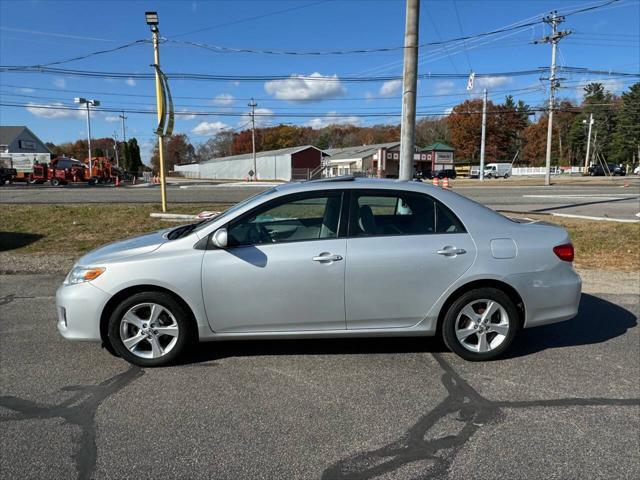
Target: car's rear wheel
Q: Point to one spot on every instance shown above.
(481, 324)
(150, 329)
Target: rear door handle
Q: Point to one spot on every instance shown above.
(327, 257)
(450, 251)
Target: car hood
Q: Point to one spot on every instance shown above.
(129, 247)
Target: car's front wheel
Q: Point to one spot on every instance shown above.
(481, 324)
(150, 329)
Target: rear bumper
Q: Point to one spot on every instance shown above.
(79, 308)
(549, 296)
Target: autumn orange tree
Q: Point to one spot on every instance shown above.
(465, 128)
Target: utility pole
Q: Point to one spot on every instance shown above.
(554, 20)
(484, 134)
(115, 147)
(253, 106)
(586, 157)
(124, 132)
(152, 21)
(409, 87)
(89, 139)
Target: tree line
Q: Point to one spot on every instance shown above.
(514, 131)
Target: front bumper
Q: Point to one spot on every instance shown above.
(79, 308)
(549, 296)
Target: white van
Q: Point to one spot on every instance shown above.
(495, 170)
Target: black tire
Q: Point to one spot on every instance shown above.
(506, 175)
(451, 317)
(55, 182)
(186, 329)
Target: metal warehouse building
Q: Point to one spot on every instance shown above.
(295, 163)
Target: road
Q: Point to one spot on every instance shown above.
(565, 404)
(606, 201)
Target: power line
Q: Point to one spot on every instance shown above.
(247, 19)
(576, 109)
(466, 53)
(93, 54)
(530, 89)
(589, 9)
(263, 78)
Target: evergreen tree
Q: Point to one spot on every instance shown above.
(124, 156)
(625, 145)
(134, 159)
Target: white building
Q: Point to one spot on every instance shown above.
(287, 164)
(20, 148)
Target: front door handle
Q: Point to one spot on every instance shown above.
(327, 257)
(451, 251)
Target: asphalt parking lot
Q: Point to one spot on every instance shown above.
(565, 404)
(617, 198)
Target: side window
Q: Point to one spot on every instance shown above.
(447, 221)
(63, 164)
(393, 213)
(295, 218)
(399, 213)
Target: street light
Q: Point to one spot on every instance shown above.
(152, 21)
(88, 103)
(151, 17)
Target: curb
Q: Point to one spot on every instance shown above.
(173, 216)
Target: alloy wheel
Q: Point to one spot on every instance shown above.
(482, 325)
(149, 330)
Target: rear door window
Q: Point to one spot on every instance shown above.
(392, 213)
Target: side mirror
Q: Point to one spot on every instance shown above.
(219, 238)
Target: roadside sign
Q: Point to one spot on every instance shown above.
(472, 77)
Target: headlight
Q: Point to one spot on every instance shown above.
(82, 274)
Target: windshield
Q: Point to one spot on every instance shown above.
(233, 209)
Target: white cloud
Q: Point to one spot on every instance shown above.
(301, 88)
(491, 82)
(224, 99)
(262, 117)
(194, 7)
(445, 87)
(332, 118)
(130, 81)
(185, 116)
(50, 111)
(391, 88)
(111, 118)
(60, 82)
(209, 128)
(27, 90)
(447, 111)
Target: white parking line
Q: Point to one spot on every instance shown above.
(599, 196)
(600, 219)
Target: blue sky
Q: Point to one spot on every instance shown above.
(37, 32)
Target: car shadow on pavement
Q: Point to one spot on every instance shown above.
(210, 351)
(597, 321)
(14, 240)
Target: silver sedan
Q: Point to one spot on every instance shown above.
(330, 258)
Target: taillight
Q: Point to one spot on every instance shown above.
(564, 252)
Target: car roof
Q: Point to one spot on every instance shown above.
(350, 182)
